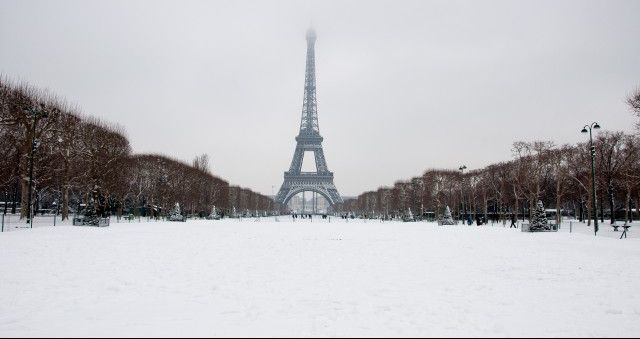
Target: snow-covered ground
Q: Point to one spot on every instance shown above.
(267, 278)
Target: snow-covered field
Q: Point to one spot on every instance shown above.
(267, 278)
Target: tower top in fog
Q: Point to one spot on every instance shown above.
(311, 35)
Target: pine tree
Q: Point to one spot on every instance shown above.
(539, 220)
(175, 214)
(214, 214)
(447, 219)
(409, 216)
(91, 214)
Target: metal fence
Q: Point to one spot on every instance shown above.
(12, 222)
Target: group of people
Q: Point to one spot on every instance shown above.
(302, 216)
(305, 216)
(481, 220)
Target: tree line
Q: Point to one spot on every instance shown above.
(77, 158)
(558, 175)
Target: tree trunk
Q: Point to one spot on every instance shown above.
(36, 205)
(24, 199)
(610, 197)
(515, 198)
(65, 202)
(533, 200)
(601, 208)
(23, 170)
(581, 211)
(590, 213)
(486, 208)
(65, 188)
(558, 202)
(14, 205)
(612, 209)
(627, 214)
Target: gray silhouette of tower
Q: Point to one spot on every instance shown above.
(309, 140)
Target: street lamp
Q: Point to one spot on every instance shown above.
(36, 113)
(589, 129)
(464, 209)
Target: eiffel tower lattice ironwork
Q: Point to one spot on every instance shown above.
(309, 140)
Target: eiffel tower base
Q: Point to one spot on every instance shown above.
(321, 184)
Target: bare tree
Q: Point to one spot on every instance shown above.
(633, 100)
(201, 163)
(558, 161)
(613, 158)
(629, 173)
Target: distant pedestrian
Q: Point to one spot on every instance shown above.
(514, 221)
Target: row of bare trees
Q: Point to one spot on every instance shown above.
(77, 158)
(156, 183)
(64, 155)
(244, 202)
(560, 176)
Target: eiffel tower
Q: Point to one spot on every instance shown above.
(309, 140)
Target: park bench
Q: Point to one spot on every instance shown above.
(616, 226)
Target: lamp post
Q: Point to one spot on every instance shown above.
(55, 214)
(589, 129)
(464, 209)
(35, 114)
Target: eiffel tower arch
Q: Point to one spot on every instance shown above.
(309, 140)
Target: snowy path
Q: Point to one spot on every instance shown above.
(230, 278)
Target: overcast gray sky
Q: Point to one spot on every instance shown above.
(402, 85)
